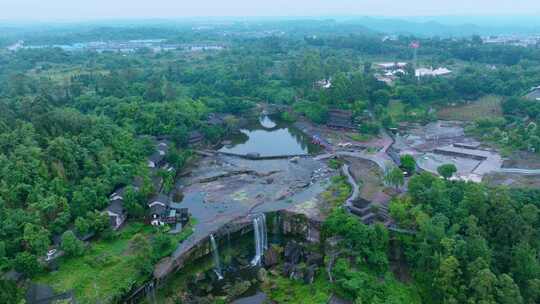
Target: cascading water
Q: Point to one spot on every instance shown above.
(215, 252)
(260, 237)
(150, 291)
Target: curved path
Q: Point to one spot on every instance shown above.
(355, 189)
(381, 157)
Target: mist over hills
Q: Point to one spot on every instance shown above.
(442, 26)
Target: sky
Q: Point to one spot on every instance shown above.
(47, 10)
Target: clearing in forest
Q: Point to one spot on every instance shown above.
(488, 106)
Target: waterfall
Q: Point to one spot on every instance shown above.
(260, 237)
(150, 292)
(215, 252)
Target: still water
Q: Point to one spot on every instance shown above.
(270, 137)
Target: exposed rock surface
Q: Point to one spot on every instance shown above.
(271, 257)
(294, 252)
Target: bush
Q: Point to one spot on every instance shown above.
(371, 128)
(27, 264)
(408, 163)
(288, 117)
(314, 111)
(82, 226)
(447, 170)
(71, 245)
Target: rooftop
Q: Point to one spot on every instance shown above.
(534, 94)
(340, 119)
(421, 72)
(116, 206)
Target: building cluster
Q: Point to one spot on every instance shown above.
(130, 46)
(388, 72)
(162, 211)
(515, 40)
(324, 84)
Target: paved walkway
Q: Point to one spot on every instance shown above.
(520, 171)
(355, 189)
(381, 157)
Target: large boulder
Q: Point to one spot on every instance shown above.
(237, 289)
(287, 269)
(262, 275)
(309, 274)
(331, 245)
(293, 272)
(314, 258)
(294, 252)
(271, 257)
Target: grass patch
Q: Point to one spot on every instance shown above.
(487, 106)
(400, 112)
(284, 290)
(109, 268)
(338, 192)
(396, 109)
(361, 137)
(104, 273)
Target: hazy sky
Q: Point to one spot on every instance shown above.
(91, 9)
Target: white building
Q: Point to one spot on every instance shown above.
(422, 72)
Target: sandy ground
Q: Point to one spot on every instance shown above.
(512, 180)
(523, 160)
(369, 175)
(431, 136)
(421, 142)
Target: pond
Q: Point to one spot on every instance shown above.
(270, 136)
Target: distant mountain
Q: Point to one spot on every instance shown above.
(448, 26)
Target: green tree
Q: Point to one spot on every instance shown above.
(447, 170)
(36, 238)
(82, 226)
(71, 245)
(508, 291)
(447, 280)
(143, 252)
(27, 263)
(11, 293)
(132, 202)
(381, 97)
(408, 163)
(395, 177)
(483, 286)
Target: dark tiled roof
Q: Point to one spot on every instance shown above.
(118, 191)
(340, 119)
(195, 137)
(162, 198)
(156, 157)
(216, 119)
(116, 206)
(162, 148)
(39, 293)
(158, 209)
(534, 95)
(12, 275)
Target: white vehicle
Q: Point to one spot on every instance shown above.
(345, 145)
